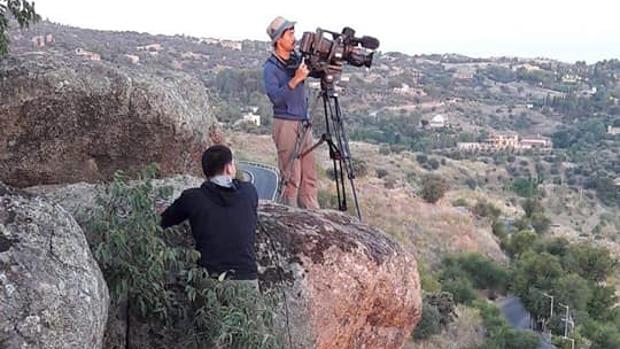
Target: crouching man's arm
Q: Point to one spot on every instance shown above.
(175, 213)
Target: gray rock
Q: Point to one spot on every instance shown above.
(52, 293)
(64, 120)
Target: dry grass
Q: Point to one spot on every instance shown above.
(430, 231)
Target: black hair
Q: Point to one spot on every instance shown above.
(215, 158)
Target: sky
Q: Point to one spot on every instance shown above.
(565, 30)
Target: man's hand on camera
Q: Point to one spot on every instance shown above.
(300, 75)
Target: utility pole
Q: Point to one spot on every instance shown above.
(550, 314)
(567, 320)
(551, 310)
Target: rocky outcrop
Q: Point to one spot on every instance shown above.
(64, 120)
(347, 285)
(52, 293)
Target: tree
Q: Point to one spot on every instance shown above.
(535, 270)
(521, 242)
(602, 302)
(433, 188)
(575, 291)
(590, 262)
(24, 13)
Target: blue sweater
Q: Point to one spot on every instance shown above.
(290, 104)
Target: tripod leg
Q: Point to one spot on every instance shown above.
(343, 146)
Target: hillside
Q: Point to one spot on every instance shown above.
(461, 120)
(390, 105)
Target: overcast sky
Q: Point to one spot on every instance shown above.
(566, 30)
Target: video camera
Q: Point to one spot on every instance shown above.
(325, 57)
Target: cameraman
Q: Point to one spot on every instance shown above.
(286, 90)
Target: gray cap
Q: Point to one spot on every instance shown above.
(277, 27)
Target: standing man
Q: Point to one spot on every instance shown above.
(286, 90)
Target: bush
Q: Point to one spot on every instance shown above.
(499, 230)
(433, 164)
(590, 262)
(508, 338)
(525, 187)
(498, 332)
(430, 323)
(531, 207)
(460, 202)
(462, 290)
(421, 158)
(471, 183)
(486, 209)
(444, 302)
(603, 335)
(540, 223)
(381, 172)
(521, 242)
(384, 150)
(438, 310)
(482, 272)
(359, 167)
(155, 274)
(433, 188)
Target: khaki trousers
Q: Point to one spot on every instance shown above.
(302, 178)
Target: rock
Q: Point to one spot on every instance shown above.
(347, 285)
(64, 120)
(52, 293)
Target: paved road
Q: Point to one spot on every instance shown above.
(514, 311)
(264, 178)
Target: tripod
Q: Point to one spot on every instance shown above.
(336, 138)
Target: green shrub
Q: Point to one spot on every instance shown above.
(438, 310)
(486, 209)
(154, 271)
(429, 324)
(433, 188)
(482, 272)
(381, 172)
(462, 290)
(460, 202)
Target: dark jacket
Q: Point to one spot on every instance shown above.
(290, 104)
(223, 222)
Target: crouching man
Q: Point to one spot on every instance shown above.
(222, 213)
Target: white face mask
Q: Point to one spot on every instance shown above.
(225, 181)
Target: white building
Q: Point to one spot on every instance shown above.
(613, 130)
(469, 146)
(529, 143)
(252, 118)
(438, 121)
(133, 59)
(87, 54)
(151, 47)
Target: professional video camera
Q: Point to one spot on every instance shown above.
(325, 57)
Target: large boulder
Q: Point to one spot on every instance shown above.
(347, 285)
(52, 293)
(64, 120)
